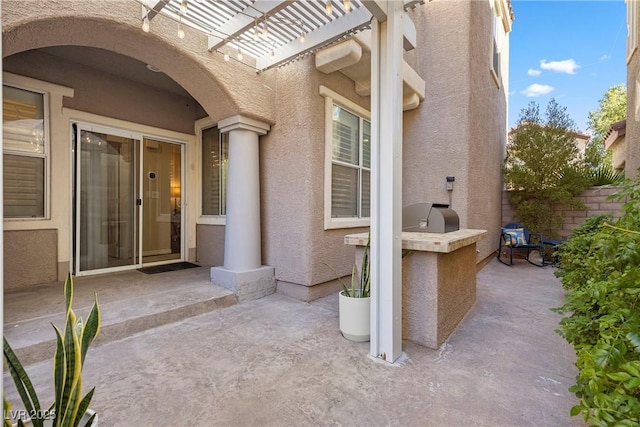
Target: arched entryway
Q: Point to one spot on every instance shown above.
(111, 41)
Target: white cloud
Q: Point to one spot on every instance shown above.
(568, 66)
(536, 90)
(605, 57)
(533, 72)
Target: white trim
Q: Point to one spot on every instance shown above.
(211, 220)
(27, 82)
(632, 28)
(126, 126)
(333, 98)
(346, 103)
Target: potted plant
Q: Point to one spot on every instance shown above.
(354, 302)
(70, 408)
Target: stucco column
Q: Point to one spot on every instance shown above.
(243, 271)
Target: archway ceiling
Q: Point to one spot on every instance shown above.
(236, 23)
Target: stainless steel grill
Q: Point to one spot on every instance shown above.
(429, 218)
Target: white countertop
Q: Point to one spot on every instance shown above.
(427, 242)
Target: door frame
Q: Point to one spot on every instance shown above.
(138, 135)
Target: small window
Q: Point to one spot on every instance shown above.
(25, 151)
(215, 156)
(495, 46)
(351, 167)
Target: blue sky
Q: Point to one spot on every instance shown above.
(572, 51)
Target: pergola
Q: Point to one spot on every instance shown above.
(276, 32)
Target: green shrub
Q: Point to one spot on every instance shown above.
(600, 268)
(577, 249)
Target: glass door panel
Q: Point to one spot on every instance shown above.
(161, 204)
(106, 198)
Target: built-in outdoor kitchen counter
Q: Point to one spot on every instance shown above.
(438, 281)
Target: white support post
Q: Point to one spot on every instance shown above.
(386, 178)
(242, 271)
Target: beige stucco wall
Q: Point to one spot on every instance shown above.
(619, 153)
(292, 180)
(210, 244)
(30, 257)
(633, 103)
(460, 128)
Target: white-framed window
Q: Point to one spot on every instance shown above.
(495, 44)
(632, 28)
(347, 162)
(215, 157)
(25, 152)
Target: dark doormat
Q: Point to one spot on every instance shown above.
(167, 267)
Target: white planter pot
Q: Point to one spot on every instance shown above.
(355, 320)
(83, 420)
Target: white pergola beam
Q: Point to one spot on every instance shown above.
(153, 8)
(378, 9)
(409, 33)
(315, 39)
(242, 22)
(386, 184)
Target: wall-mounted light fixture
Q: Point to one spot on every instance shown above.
(450, 181)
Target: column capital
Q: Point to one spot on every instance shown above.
(243, 123)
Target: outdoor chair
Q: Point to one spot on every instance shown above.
(516, 236)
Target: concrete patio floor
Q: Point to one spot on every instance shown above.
(281, 362)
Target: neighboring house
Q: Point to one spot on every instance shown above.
(616, 142)
(633, 90)
(581, 141)
(118, 143)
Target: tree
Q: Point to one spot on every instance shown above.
(543, 169)
(612, 108)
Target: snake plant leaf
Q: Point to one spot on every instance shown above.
(90, 329)
(72, 363)
(365, 282)
(23, 383)
(84, 405)
(71, 415)
(59, 373)
(7, 407)
(68, 291)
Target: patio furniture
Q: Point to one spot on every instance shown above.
(516, 236)
(556, 251)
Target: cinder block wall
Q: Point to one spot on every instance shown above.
(594, 198)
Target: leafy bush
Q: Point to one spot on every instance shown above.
(600, 268)
(577, 249)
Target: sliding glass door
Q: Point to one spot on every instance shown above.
(106, 208)
(127, 200)
(161, 230)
